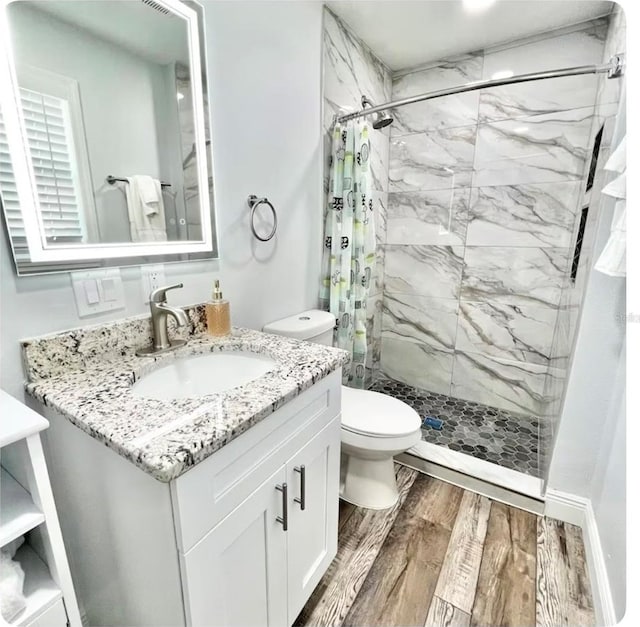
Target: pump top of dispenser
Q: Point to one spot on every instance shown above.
(217, 292)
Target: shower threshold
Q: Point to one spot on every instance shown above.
(485, 442)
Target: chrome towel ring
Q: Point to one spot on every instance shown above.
(254, 202)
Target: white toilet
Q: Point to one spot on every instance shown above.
(375, 427)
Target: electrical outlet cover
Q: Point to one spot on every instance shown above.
(152, 278)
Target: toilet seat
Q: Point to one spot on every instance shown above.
(377, 415)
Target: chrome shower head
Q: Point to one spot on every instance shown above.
(381, 119)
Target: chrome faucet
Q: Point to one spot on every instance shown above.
(159, 312)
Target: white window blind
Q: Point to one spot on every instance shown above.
(50, 140)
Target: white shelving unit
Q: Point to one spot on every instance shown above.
(48, 588)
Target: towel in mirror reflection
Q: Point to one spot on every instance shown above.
(146, 209)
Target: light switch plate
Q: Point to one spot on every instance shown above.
(152, 278)
(92, 296)
(97, 291)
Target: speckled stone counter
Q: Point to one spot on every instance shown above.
(87, 375)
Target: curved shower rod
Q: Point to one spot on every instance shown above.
(614, 69)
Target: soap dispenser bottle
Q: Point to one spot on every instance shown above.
(218, 316)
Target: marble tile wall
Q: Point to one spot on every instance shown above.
(485, 191)
(350, 71)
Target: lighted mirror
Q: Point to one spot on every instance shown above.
(104, 141)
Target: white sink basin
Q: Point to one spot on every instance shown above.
(203, 374)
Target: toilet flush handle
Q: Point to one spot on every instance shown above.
(303, 491)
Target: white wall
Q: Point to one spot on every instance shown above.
(608, 493)
(265, 73)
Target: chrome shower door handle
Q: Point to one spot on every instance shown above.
(303, 489)
(284, 519)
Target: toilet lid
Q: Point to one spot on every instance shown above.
(378, 415)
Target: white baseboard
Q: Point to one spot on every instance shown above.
(577, 510)
(602, 598)
(566, 507)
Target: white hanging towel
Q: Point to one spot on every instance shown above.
(146, 209)
(613, 259)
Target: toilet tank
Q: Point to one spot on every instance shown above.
(313, 325)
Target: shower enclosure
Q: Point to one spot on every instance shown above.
(484, 183)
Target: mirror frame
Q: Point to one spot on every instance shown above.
(24, 173)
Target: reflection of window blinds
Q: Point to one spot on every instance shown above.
(51, 146)
(49, 137)
(8, 187)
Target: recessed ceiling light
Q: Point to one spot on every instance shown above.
(180, 96)
(477, 5)
(502, 74)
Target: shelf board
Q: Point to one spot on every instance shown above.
(18, 513)
(18, 420)
(40, 591)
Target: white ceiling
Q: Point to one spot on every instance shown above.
(133, 25)
(408, 33)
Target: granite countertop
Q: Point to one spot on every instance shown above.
(87, 375)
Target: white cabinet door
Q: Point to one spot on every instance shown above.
(313, 532)
(237, 574)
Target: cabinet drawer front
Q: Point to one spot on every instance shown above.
(206, 494)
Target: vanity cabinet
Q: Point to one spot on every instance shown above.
(210, 547)
(260, 564)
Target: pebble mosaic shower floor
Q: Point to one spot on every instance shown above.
(494, 435)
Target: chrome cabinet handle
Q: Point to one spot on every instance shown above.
(284, 519)
(303, 491)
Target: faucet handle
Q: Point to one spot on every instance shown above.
(159, 295)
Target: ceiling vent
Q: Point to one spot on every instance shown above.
(156, 7)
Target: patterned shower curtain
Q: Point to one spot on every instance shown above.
(349, 244)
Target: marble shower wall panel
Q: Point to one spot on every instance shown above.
(484, 200)
(417, 364)
(380, 205)
(420, 319)
(528, 276)
(539, 215)
(439, 159)
(447, 112)
(537, 149)
(521, 333)
(350, 71)
(581, 47)
(428, 217)
(512, 385)
(424, 270)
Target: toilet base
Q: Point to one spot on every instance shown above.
(369, 483)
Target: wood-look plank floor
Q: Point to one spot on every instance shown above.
(447, 556)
